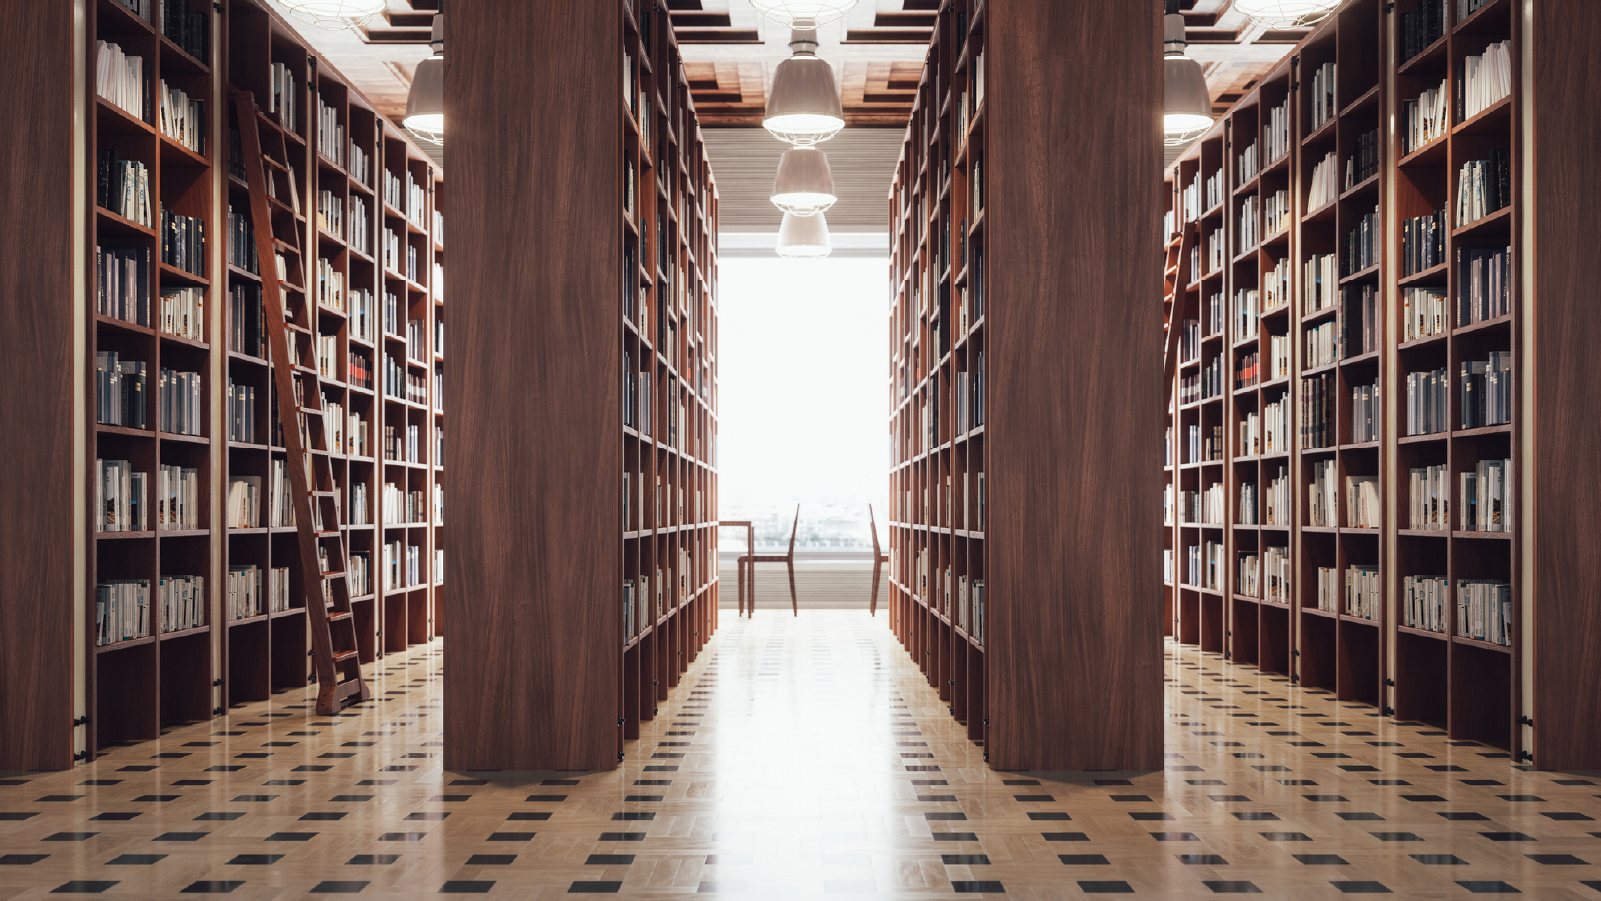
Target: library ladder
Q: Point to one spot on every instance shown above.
(1177, 251)
(323, 566)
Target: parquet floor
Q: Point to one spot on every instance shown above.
(804, 757)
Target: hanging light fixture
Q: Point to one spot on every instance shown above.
(334, 14)
(804, 237)
(1186, 102)
(1287, 13)
(425, 104)
(804, 185)
(804, 107)
(803, 13)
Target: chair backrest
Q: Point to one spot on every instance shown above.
(794, 528)
(873, 524)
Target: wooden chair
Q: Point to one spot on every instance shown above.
(750, 549)
(787, 559)
(879, 559)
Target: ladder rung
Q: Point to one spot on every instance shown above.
(341, 657)
(322, 494)
(338, 617)
(317, 410)
(335, 574)
(327, 533)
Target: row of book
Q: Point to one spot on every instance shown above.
(1428, 403)
(1364, 509)
(1359, 320)
(1248, 370)
(1215, 188)
(282, 99)
(1252, 440)
(1486, 387)
(1484, 286)
(331, 141)
(1323, 98)
(1320, 284)
(122, 610)
(1277, 498)
(330, 284)
(1484, 607)
(1324, 184)
(1205, 565)
(183, 242)
(243, 507)
(182, 118)
(402, 506)
(1486, 496)
(178, 396)
(1322, 508)
(359, 567)
(1428, 497)
(402, 447)
(123, 281)
(1423, 313)
(1483, 187)
(1486, 79)
(1245, 504)
(187, 27)
(183, 313)
(119, 497)
(1247, 319)
(331, 213)
(1362, 591)
(1248, 163)
(1425, 119)
(1322, 346)
(1421, 27)
(402, 565)
(120, 391)
(358, 371)
(1266, 577)
(1362, 244)
(181, 601)
(251, 593)
(242, 243)
(1366, 413)
(179, 498)
(121, 79)
(1422, 242)
(1363, 163)
(1318, 411)
(123, 187)
(1423, 602)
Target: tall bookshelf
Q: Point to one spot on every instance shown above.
(587, 499)
(1001, 587)
(1448, 670)
(325, 148)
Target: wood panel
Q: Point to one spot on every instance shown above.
(1565, 320)
(1075, 419)
(36, 409)
(534, 449)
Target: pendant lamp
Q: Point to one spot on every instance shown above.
(803, 13)
(804, 237)
(334, 14)
(425, 104)
(804, 106)
(804, 185)
(1187, 102)
(1287, 13)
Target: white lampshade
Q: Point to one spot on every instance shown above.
(804, 237)
(804, 106)
(803, 13)
(1186, 100)
(334, 14)
(425, 103)
(1287, 13)
(804, 185)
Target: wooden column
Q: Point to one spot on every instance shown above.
(1559, 354)
(1075, 385)
(532, 90)
(38, 579)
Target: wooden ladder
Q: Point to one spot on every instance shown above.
(1177, 252)
(300, 410)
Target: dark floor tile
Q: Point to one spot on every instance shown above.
(1048, 815)
(1564, 815)
(1325, 797)
(622, 836)
(1440, 860)
(1232, 887)
(255, 860)
(22, 860)
(180, 836)
(1065, 836)
(1130, 798)
(120, 816)
(1322, 860)
(1249, 815)
(1361, 887)
(944, 816)
(74, 837)
(1556, 860)
(402, 836)
(979, 887)
(135, 860)
(1286, 836)
(954, 837)
(338, 887)
(466, 887)
(1175, 836)
(1080, 860)
(1462, 815)
(607, 888)
(1150, 815)
(609, 860)
(1489, 887)
(368, 860)
(82, 887)
(491, 860)
(1396, 836)
(1423, 798)
(530, 815)
(427, 815)
(323, 815)
(1508, 837)
(511, 836)
(212, 887)
(1106, 887)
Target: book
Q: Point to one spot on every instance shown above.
(120, 497)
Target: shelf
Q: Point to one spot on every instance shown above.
(1485, 645)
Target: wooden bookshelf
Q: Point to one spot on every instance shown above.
(991, 481)
(1476, 689)
(598, 472)
(191, 669)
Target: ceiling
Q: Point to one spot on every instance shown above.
(730, 52)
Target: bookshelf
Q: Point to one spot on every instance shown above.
(589, 496)
(161, 280)
(1001, 585)
(1408, 256)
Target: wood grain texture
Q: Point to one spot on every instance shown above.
(1075, 381)
(531, 90)
(1565, 316)
(37, 582)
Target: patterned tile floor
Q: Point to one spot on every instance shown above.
(805, 757)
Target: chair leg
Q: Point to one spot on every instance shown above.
(741, 567)
(872, 608)
(793, 603)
